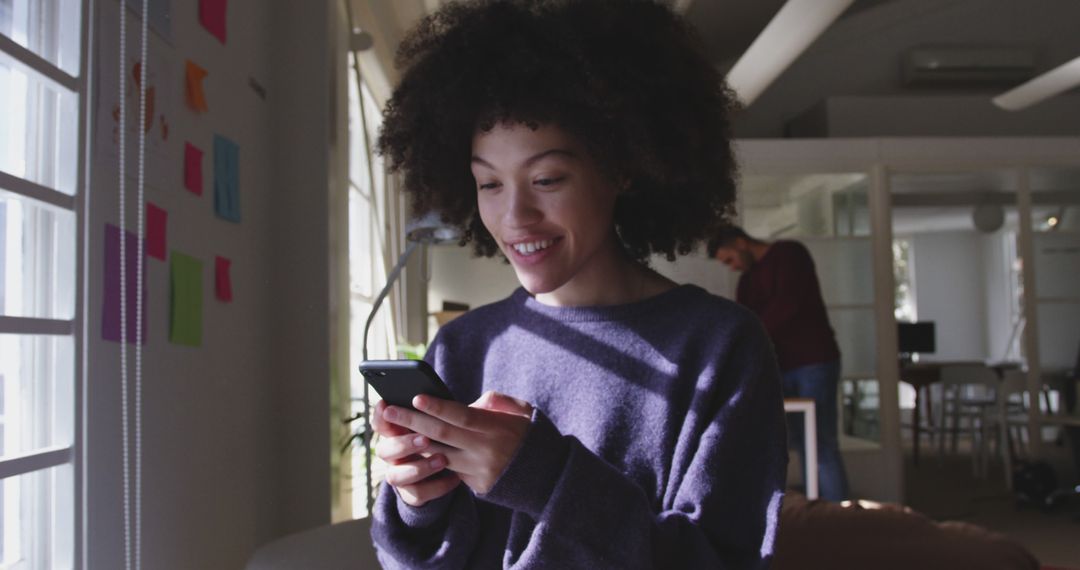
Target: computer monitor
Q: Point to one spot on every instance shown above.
(916, 337)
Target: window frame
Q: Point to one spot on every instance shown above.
(39, 460)
(381, 225)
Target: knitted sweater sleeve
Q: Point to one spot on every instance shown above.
(440, 534)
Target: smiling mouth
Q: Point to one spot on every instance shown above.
(532, 247)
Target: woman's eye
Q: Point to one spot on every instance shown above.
(488, 186)
(547, 181)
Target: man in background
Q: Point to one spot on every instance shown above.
(779, 284)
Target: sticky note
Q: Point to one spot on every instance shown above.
(212, 17)
(185, 300)
(196, 98)
(226, 179)
(193, 169)
(222, 281)
(156, 221)
(110, 313)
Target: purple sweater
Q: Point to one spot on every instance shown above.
(657, 440)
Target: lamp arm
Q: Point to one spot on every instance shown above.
(390, 280)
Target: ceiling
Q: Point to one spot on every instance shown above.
(881, 29)
(728, 27)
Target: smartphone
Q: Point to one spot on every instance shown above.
(399, 381)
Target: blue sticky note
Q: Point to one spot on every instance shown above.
(226, 179)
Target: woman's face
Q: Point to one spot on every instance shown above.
(547, 205)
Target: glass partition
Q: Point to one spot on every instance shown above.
(829, 214)
(1055, 211)
(957, 270)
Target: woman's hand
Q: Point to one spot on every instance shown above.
(415, 471)
(478, 441)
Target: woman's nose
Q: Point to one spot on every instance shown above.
(521, 208)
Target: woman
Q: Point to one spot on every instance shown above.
(618, 420)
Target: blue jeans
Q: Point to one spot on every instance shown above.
(818, 382)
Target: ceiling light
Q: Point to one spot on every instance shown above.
(1045, 86)
(1052, 221)
(784, 39)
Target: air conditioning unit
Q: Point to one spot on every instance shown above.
(961, 65)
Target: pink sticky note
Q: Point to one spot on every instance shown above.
(156, 220)
(212, 17)
(222, 281)
(193, 169)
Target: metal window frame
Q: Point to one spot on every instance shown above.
(35, 191)
(35, 461)
(32, 326)
(40, 65)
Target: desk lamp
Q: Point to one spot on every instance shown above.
(429, 229)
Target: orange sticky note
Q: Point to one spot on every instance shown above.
(193, 169)
(196, 98)
(156, 220)
(222, 281)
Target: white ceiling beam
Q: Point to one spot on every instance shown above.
(784, 39)
(1053, 82)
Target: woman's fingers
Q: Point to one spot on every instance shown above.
(496, 402)
(424, 424)
(449, 411)
(429, 489)
(395, 448)
(476, 442)
(413, 472)
(383, 427)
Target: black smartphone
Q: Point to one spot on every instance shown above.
(399, 381)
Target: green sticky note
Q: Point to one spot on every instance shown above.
(185, 298)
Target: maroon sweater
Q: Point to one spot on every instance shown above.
(782, 288)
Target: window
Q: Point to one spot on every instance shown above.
(370, 251)
(904, 295)
(41, 160)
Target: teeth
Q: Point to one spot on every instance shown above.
(532, 247)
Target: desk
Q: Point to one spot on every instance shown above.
(805, 406)
(921, 375)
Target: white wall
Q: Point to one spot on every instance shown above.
(299, 310)
(962, 284)
(235, 441)
(950, 291)
(457, 276)
(928, 114)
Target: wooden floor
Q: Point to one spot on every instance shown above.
(945, 489)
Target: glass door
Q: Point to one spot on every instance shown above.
(829, 214)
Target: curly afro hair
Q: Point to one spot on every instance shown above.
(628, 78)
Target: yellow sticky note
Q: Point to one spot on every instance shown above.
(196, 98)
